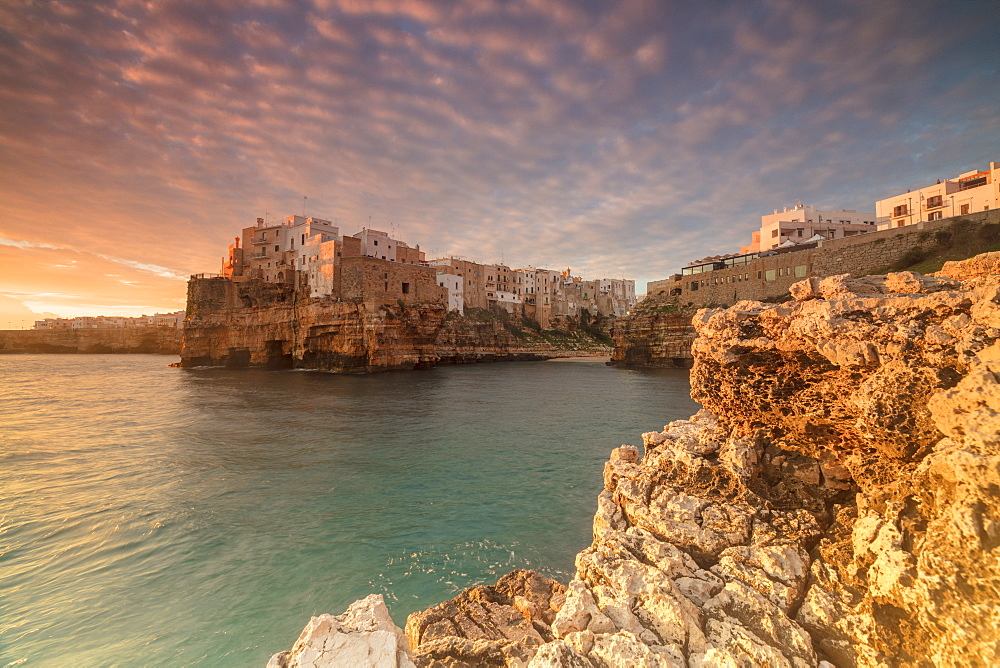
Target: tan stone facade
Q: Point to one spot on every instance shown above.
(971, 192)
(310, 254)
(377, 282)
(768, 277)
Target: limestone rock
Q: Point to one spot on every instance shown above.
(656, 333)
(980, 266)
(364, 636)
(484, 625)
(837, 502)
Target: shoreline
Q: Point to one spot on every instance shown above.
(777, 524)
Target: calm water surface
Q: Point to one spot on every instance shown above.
(156, 516)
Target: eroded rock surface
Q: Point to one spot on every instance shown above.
(655, 333)
(836, 502)
(496, 625)
(361, 637)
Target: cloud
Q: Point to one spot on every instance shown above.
(162, 272)
(625, 137)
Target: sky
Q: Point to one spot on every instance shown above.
(619, 138)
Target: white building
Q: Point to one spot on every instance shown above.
(803, 222)
(967, 193)
(455, 285)
(619, 292)
(377, 244)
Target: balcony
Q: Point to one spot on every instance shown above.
(972, 183)
(934, 203)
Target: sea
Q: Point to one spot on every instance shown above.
(156, 516)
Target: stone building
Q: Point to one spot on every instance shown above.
(473, 279)
(802, 223)
(450, 280)
(768, 276)
(970, 192)
(380, 282)
(274, 253)
(311, 254)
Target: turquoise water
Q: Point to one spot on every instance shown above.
(157, 516)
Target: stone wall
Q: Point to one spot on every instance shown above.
(768, 278)
(378, 282)
(156, 340)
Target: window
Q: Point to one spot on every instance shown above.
(774, 233)
(965, 209)
(900, 210)
(934, 215)
(934, 202)
(376, 242)
(275, 248)
(798, 231)
(769, 275)
(800, 271)
(406, 288)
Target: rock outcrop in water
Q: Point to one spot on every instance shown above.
(836, 502)
(254, 323)
(656, 333)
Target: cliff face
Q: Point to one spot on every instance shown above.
(253, 323)
(837, 500)
(161, 341)
(657, 333)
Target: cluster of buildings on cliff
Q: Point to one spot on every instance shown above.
(173, 320)
(805, 226)
(373, 267)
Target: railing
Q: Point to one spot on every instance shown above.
(933, 204)
(196, 276)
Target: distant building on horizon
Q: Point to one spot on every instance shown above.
(173, 320)
(970, 192)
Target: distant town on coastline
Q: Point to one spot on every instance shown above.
(173, 320)
(372, 266)
(311, 254)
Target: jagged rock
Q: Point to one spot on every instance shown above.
(968, 270)
(837, 503)
(488, 625)
(806, 289)
(912, 282)
(364, 636)
(656, 333)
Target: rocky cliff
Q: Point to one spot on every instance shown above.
(162, 341)
(253, 323)
(657, 333)
(836, 502)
